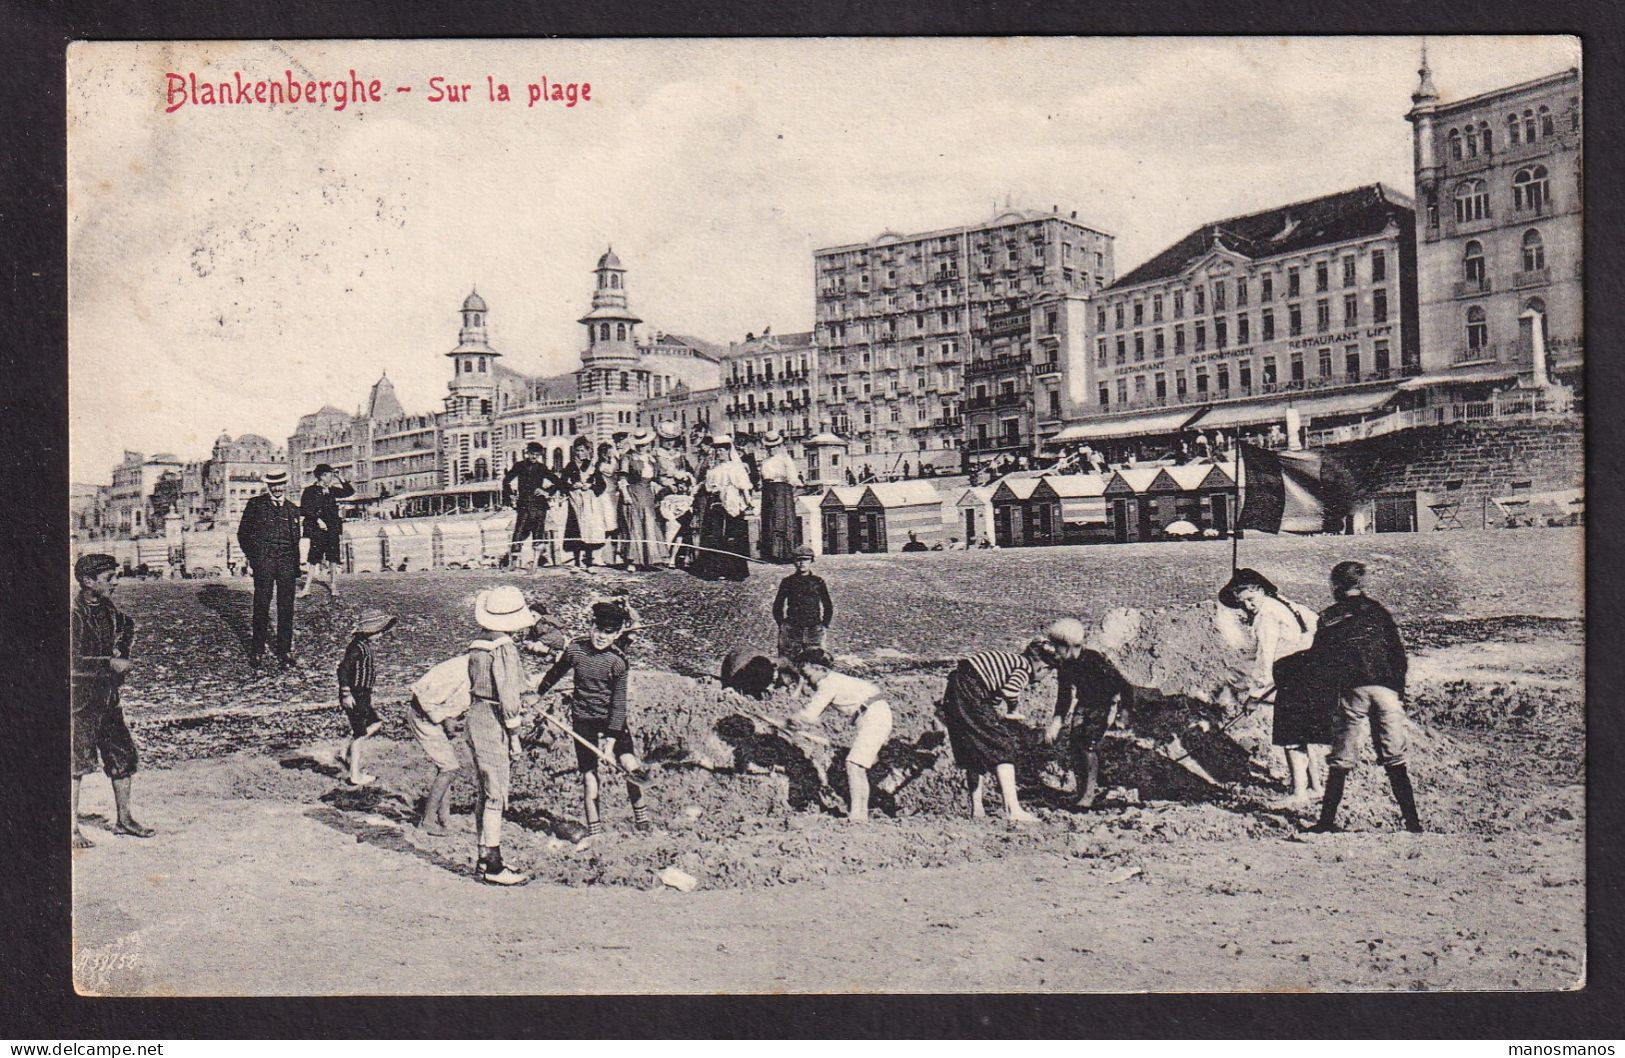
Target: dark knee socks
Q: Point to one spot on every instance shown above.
(1400, 779)
(1336, 779)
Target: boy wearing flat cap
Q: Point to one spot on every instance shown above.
(102, 635)
(598, 708)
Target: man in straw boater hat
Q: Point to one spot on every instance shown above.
(102, 637)
(269, 535)
(324, 527)
(780, 480)
(497, 684)
(526, 486)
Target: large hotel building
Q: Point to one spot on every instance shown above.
(1498, 230)
(926, 342)
(1308, 307)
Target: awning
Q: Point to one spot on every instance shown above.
(1143, 424)
(1260, 413)
(1493, 374)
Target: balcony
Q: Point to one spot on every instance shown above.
(1538, 277)
(1472, 288)
(1002, 323)
(1483, 354)
(995, 444)
(1047, 367)
(947, 422)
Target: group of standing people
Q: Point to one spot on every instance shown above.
(647, 504)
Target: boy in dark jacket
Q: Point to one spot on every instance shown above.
(102, 637)
(802, 608)
(598, 709)
(1359, 646)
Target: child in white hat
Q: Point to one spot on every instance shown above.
(496, 683)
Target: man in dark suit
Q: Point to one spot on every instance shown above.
(269, 536)
(526, 486)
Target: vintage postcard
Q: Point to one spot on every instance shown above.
(827, 515)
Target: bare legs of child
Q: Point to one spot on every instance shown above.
(437, 803)
(634, 795)
(857, 782)
(350, 757)
(1006, 774)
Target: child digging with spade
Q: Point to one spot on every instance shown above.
(861, 702)
(598, 709)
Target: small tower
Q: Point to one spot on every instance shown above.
(611, 325)
(470, 400)
(473, 361)
(1424, 151)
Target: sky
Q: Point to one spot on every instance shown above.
(234, 267)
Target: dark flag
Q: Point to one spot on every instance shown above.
(1294, 492)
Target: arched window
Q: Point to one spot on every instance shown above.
(1478, 331)
(1512, 130)
(1546, 126)
(558, 459)
(476, 319)
(1473, 262)
(1484, 136)
(603, 331)
(1529, 126)
(620, 332)
(1537, 306)
(614, 281)
(1455, 145)
(1472, 201)
(482, 364)
(1531, 188)
(1534, 251)
(480, 470)
(626, 382)
(1472, 142)
(456, 367)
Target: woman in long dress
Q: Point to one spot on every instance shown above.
(584, 527)
(674, 484)
(609, 502)
(640, 520)
(699, 562)
(725, 534)
(1281, 628)
(780, 480)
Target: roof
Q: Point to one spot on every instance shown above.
(381, 402)
(1141, 424)
(1357, 213)
(1075, 486)
(977, 497)
(609, 260)
(1193, 476)
(1020, 488)
(845, 495)
(902, 493)
(474, 303)
(1273, 410)
(770, 343)
(1572, 73)
(709, 350)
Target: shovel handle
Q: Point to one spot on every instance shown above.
(592, 748)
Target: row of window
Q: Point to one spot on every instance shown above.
(1470, 140)
(1531, 190)
(1216, 379)
(1220, 291)
(1477, 324)
(1243, 331)
(604, 331)
(1533, 257)
(766, 373)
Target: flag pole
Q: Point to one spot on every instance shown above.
(1235, 516)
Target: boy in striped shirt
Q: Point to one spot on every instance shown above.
(356, 675)
(598, 709)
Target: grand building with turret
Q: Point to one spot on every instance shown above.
(455, 459)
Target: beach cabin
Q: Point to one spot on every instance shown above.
(206, 552)
(1074, 504)
(904, 507)
(1011, 524)
(1140, 502)
(843, 531)
(1207, 495)
(975, 514)
(363, 548)
(810, 522)
(456, 543)
(409, 542)
(496, 536)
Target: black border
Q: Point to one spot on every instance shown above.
(34, 908)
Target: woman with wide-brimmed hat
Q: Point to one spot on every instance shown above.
(1281, 629)
(640, 515)
(780, 480)
(725, 534)
(584, 527)
(674, 484)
